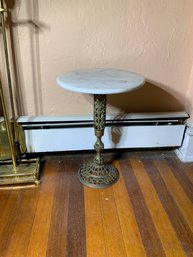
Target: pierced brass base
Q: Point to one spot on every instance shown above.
(26, 172)
(98, 176)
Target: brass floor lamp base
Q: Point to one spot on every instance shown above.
(98, 176)
(27, 172)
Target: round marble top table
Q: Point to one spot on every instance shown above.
(99, 82)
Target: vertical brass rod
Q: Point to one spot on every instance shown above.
(8, 67)
(7, 125)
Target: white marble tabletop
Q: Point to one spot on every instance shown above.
(100, 81)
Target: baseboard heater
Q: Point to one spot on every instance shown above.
(146, 130)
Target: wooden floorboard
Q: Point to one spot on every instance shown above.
(148, 212)
(95, 238)
(112, 233)
(130, 231)
(18, 223)
(180, 197)
(187, 170)
(181, 177)
(149, 235)
(40, 231)
(57, 237)
(180, 225)
(76, 231)
(164, 228)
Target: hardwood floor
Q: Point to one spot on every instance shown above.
(148, 212)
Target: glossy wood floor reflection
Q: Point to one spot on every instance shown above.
(148, 212)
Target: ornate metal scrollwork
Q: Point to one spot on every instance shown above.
(99, 125)
(99, 111)
(97, 174)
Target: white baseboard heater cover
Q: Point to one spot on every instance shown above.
(150, 130)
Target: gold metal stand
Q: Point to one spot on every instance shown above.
(98, 174)
(26, 172)
(12, 172)
(16, 170)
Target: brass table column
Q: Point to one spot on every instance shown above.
(97, 174)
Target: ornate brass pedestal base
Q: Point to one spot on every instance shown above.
(26, 172)
(98, 176)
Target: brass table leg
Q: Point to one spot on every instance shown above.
(97, 174)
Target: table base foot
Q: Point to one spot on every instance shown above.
(98, 176)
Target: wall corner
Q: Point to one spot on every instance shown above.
(185, 152)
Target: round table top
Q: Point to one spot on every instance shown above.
(100, 81)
